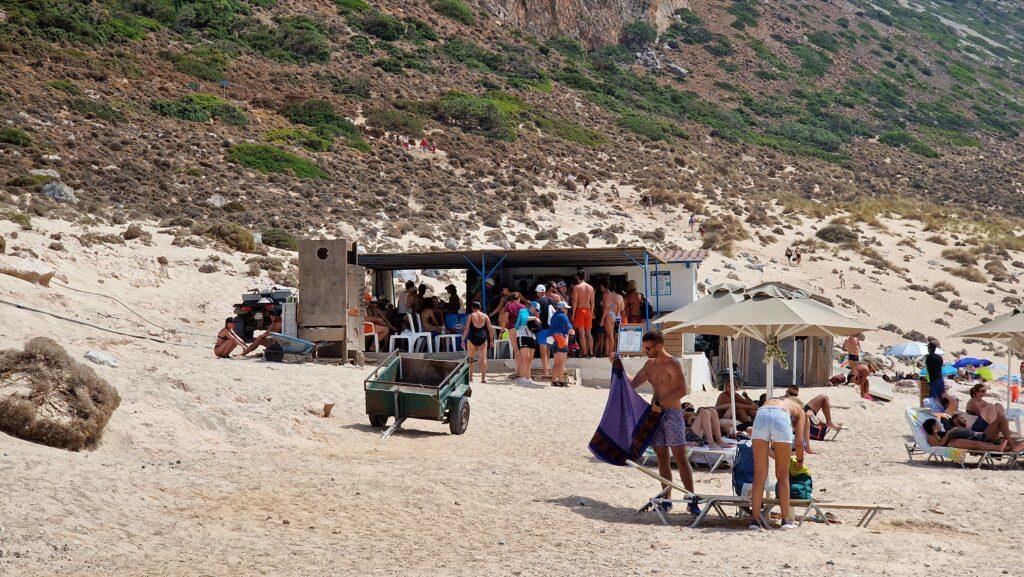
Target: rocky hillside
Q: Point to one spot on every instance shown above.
(224, 117)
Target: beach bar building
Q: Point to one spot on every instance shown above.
(666, 278)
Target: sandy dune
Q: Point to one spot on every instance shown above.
(219, 468)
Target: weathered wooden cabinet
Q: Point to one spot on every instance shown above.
(329, 290)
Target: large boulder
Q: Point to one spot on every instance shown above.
(59, 191)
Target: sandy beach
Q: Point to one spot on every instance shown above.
(225, 467)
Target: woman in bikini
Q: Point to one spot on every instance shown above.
(987, 413)
(479, 337)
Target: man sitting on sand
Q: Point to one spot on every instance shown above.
(262, 340)
(959, 438)
(665, 374)
(227, 340)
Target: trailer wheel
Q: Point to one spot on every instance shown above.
(378, 421)
(458, 417)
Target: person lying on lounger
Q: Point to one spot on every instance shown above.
(703, 428)
(724, 425)
(959, 438)
(994, 432)
(746, 408)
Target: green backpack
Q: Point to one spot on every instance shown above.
(800, 486)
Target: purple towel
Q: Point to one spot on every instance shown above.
(627, 425)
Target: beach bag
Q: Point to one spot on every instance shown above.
(743, 467)
(800, 484)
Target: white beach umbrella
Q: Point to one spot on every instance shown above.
(910, 350)
(1008, 329)
(769, 319)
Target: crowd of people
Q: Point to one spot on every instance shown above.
(551, 321)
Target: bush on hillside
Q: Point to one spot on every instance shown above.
(383, 26)
(294, 39)
(490, 116)
(204, 63)
(232, 235)
(396, 121)
(652, 128)
(201, 108)
(268, 159)
(328, 122)
(280, 238)
(455, 9)
(637, 35)
(349, 6)
(15, 136)
(836, 234)
(96, 110)
(297, 137)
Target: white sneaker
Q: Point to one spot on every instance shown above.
(756, 527)
(530, 382)
(788, 525)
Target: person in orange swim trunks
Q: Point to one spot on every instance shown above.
(583, 313)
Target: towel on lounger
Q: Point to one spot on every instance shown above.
(627, 425)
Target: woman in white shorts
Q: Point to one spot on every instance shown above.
(774, 427)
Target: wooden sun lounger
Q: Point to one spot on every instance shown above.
(717, 503)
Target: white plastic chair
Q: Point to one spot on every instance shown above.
(416, 327)
(451, 338)
(501, 343)
(369, 333)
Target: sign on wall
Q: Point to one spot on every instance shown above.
(631, 338)
(662, 281)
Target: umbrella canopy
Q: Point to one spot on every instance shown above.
(971, 362)
(1002, 327)
(718, 298)
(765, 318)
(911, 350)
(947, 371)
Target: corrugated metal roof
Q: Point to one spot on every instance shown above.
(535, 258)
(682, 255)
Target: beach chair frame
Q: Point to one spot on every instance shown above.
(717, 504)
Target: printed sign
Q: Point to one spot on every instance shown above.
(662, 281)
(631, 338)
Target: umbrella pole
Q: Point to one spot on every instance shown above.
(769, 378)
(1009, 375)
(794, 361)
(732, 387)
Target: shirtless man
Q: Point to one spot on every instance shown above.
(819, 404)
(583, 313)
(665, 374)
(746, 408)
(227, 340)
(777, 424)
(275, 327)
(612, 305)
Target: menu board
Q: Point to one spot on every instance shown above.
(631, 338)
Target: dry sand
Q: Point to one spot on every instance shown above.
(218, 467)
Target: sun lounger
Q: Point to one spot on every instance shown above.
(702, 456)
(717, 503)
(915, 420)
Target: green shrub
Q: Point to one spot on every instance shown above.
(637, 34)
(813, 63)
(746, 13)
(360, 45)
(961, 73)
(204, 63)
(5, 97)
(280, 238)
(808, 135)
(83, 22)
(455, 9)
(836, 234)
(29, 181)
(720, 48)
(294, 39)
(381, 25)
(652, 128)
(328, 123)
(824, 40)
(349, 6)
(493, 116)
(268, 159)
(95, 109)
(201, 108)
(234, 236)
(417, 30)
(16, 217)
(921, 149)
(15, 136)
(688, 16)
(66, 86)
(297, 137)
(565, 129)
(903, 139)
(390, 65)
(396, 121)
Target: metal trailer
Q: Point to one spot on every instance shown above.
(409, 387)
